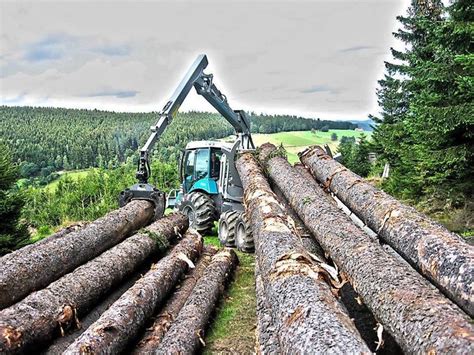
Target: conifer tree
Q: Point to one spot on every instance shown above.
(13, 234)
(395, 139)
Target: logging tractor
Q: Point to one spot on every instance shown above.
(211, 189)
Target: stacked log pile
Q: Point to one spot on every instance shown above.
(399, 294)
(115, 277)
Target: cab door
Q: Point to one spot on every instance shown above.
(188, 169)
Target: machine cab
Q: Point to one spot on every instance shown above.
(200, 167)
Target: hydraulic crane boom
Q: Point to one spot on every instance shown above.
(203, 83)
(206, 88)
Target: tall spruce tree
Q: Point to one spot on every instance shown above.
(395, 139)
(13, 234)
(441, 107)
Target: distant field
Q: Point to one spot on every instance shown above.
(295, 142)
(75, 175)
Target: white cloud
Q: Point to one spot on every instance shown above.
(319, 58)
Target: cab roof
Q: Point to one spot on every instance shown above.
(208, 144)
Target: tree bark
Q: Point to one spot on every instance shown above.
(186, 333)
(418, 316)
(47, 312)
(443, 257)
(266, 332)
(364, 320)
(309, 243)
(122, 321)
(59, 345)
(304, 309)
(48, 261)
(18, 254)
(164, 320)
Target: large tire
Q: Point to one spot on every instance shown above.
(227, 228)
(243, 234)
(200, 210)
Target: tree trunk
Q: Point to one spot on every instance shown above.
(418, 316)
(18, 254)
(47, 312)
(266, 332)
(122, 321)
(168, 314)
(48, 261)
(444, 257)
(186, 332)
(59, 345)
(309, 243)
(363, 318)
(306, 313)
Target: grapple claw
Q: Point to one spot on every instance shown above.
(145, 192)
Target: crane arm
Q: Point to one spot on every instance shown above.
(203, 83)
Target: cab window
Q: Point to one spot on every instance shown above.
(216, 155)
(202, 163)
(189, 167)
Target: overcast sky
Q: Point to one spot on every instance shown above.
(312, 58)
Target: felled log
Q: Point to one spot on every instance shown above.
(48, 312)
(443, 257)
(59, 345)
(304, 309)
(122, 321)
(19, 253)
(27, 248)
(168, 314)
(309, 179)
(363, 318)
(307, 238)
(186, 333)
(266, 332)
(418, 316)
(48, 261)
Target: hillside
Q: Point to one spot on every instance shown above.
(295, 142)
(66, 139)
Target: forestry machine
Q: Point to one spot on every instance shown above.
(211, 189)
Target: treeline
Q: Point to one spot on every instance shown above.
(44, 140)
(426, 127)
(278, 123)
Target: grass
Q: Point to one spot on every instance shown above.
(295, 142)
(233, 327)
(75, 175)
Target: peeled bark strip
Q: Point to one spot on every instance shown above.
(48, 261)
(418, 316)
(444, 257)
(122, 321)
(186, 332)
(306, 313)
(168, 314)
(266, 332)
(43, 314)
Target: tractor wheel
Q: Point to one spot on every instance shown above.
(200, 210)
(243, 235)
(227, 228)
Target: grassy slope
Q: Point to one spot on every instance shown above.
(295, 142)
(75, 175)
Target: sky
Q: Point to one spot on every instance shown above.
(310, 58)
